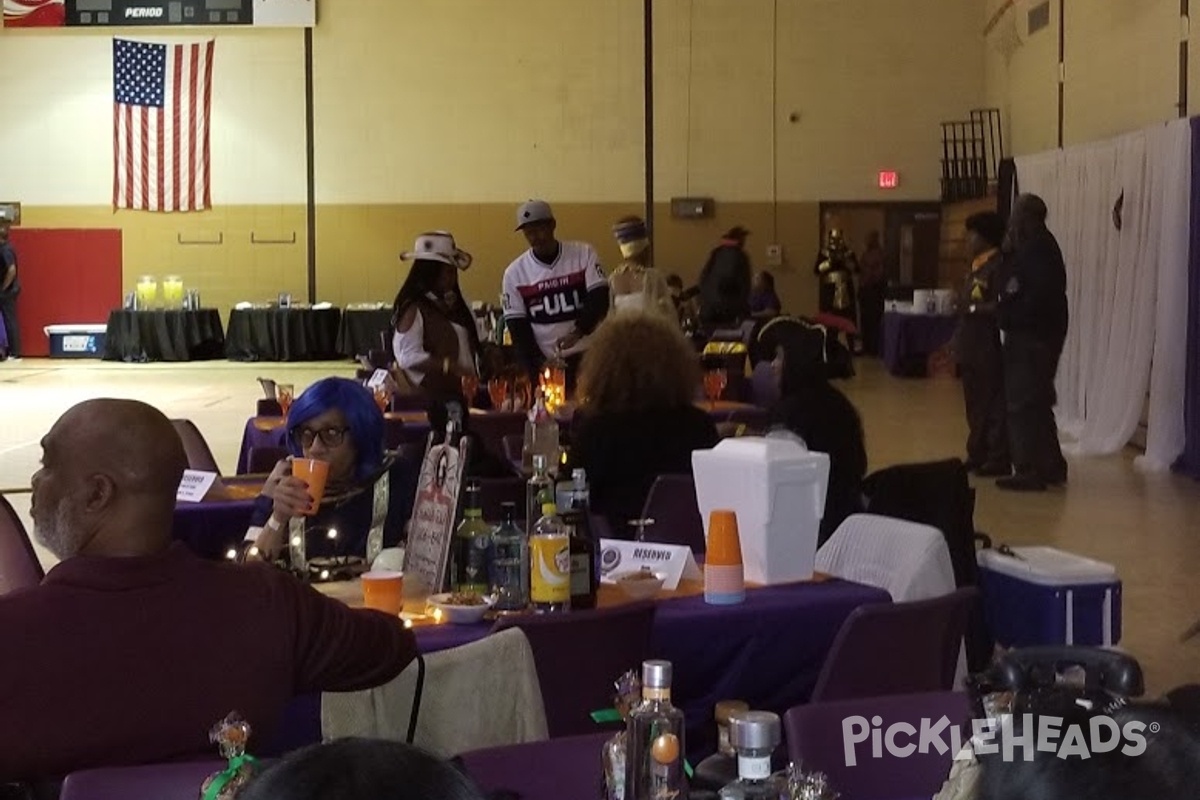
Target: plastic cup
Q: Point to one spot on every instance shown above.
(724, 545)
(314, 473)
(724, 575)
(383, 590)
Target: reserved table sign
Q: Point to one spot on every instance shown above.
(194, 486)
(674, 562)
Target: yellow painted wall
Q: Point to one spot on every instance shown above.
(447, 113)
(1121, 69)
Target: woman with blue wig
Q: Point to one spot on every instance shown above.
(368, 494)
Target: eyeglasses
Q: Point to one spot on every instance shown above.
(330, 437)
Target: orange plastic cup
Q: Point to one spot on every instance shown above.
(724, 545)
(313, 472)
(724, 575)
(383, 591)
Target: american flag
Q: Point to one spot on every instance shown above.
(162, 102)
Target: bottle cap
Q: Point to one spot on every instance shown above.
(549, 509)
(656, 674)
(539, 461)
(579, 476)
(754, 730)
(508, 510)
(726, 709)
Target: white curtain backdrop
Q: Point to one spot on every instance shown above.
(1127, 288)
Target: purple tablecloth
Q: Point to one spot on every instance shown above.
(767, 651)
(908, 337)
(210, 529)
(3, 337)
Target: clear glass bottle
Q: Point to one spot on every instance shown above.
(585, 570)
(541, 434)
(510, 562)
(656, 748)
(472, 546)
(538, 492)
(754, 735)
(549, 563)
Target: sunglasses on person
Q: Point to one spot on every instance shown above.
(330, 437)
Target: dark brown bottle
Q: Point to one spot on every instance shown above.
(585, 573)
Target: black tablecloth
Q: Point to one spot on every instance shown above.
(360, 329)
(283, 334)
(164, 335)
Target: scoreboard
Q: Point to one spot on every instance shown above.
(158, 13)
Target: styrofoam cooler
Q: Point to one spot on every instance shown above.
(1044, 596)
(923, 300)
(777, 488)
(944, 300)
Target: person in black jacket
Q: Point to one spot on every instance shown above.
(637, 417)
(725, 282)
(979, 352)
(1033, 316)
(816, 411)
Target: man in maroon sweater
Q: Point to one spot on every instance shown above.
(132, 648)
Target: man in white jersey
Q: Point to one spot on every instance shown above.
(555, 293)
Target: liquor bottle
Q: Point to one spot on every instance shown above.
(549, 563)
(538, 492)
(754, 735)
(472, 546)
(654, 760)
(510, 562)
(585, 573)
(541, 434)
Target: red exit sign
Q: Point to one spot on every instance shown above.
(889, 179)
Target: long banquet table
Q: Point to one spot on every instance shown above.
(768, 651)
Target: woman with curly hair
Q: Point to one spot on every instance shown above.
(637, 417)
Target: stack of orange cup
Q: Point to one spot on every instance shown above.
(724, 575)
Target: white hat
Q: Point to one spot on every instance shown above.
(438, 246)
(532, 211)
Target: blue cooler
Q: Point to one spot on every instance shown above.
(1043, 596)
(76, 340)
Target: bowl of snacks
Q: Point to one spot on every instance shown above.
(641, 584)
(461, 608)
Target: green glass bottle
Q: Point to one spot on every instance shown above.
(472, 546)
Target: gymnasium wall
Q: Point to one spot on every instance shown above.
(447, 113)
(1121, 69)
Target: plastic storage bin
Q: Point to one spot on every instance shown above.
(1044, 596)
(76, 340)
(777, 488)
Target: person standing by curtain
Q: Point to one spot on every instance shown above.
(980, 355)
(872, 287)
(10, 287)
(1034, 318)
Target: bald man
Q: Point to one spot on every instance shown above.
(132, 647)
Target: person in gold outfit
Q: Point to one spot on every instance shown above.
(835, 270)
